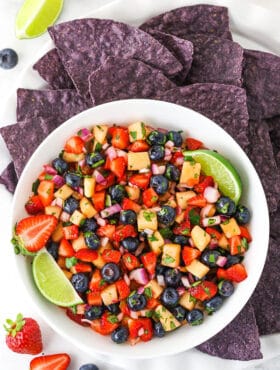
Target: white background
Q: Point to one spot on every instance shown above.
(13, 297)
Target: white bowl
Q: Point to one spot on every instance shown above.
(169, 116)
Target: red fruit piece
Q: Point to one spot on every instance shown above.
(96, 282)
(124, 232)
(118, 166)
(74, 145)
(123, 289)
(130, 261)
(183, 228)
(135, 325)
(204, 290)
(197, 201)
(193, 144)
(45, 192)
(59, 361)
(34, 205)
(70, 232)
(107, 230)
(189, 254)
(24, 335)
(141, 180)
(139, 146)
(106, 325)
(86, 255)
(65, 248)
(120, 138)
(94, 298)
(98, 200)
(150, 197)
(236, 273)
(76, 317)
(111, 255)
(33, 232)
(207, 181)
(149, 261)
(109, 180)
(130, 204)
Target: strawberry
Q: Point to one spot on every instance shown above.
(244, 233)
(124, 231)
(24, 335)
(86, 255)
(109, 180)
(183, 228)
(111, 255)
(33, 232)
(236, 273)
(135, 325)
(118, 166)
(193, 144)
(203, 291)
(81, 267)
(139, 146)
(74, 145)
(130, 204)
(130, 261)
(214, 233)
(70, 232)
(149, 197)
(106, 325)
(34, 205)
(149, 261)
(198, 201)
(202, 185)
(94, 298)
(98, 200)
(141, 180)
(96, 282)
(120, 138)
(76, 317)
(65, 248)
(59, 361)
(45, 192)
(189, 254)
(123, 289)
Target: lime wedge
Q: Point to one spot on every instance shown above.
(35, 16)
(223, 172)
(52, 283)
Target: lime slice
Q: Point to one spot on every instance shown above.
(52, 283)
(35, 16)
(223, 172)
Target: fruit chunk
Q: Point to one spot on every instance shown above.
(138, 161)
(200, 237)
(198, 269)
(230, 228)
(100, 132)
(137, 131)
(186, 301)
(183, 197)
(46, 192)
(168, 321)
(59, 361)
(171, 255)
(156, 242)
(147, 219)
(34, 205)
(109, 295)
(190, 173)
(204, 290)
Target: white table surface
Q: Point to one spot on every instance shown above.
(14, 299)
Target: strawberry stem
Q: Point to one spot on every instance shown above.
(13, 327)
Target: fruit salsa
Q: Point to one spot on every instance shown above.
(140, 228)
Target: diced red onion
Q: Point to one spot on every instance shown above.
(126, 279)
(224, 218)
(104, 241)
(148, 231)
(86, 321)
(65, 217)
(185, 281)
(101, 221)
(205, 210)
(85, 134)
(140, 276)
(122, 249)
(211, 221)
(53, 203)
(144, 170)
(82, 162)
(109, 211)
(168, 157)
(167, 151)
(49, 169)
(105, 146)
(160, 280)
(59, 202)
(158, 170)
(140, 290)
(182, 187)
(111, 152)
(191, 278)
(191, 242)
(181, 290)
(179, 161)
(169, 144)
(155, 209)
(211, 194)
(100, 179)
(213, 243)
(141, 331)
(120, 316)
(80, 190)
(97, 216)
(152, 276)
(133, 315)
(123, 182)
(178, 210)
(221, 261)
(121, 153)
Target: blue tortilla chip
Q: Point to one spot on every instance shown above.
(9, 178)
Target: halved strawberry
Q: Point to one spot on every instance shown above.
(59, 361)
(81, 267)
(120, 138)
(34, 205)
(236, 273)
(70, 232)
(124, 231)
(118, 166)
(107, 230)
(130, 261)
(202, 185)
(65, 248)
(96, 282)
(74, 145)
(203, 291)
(189, 254)
(123, 289)
(86, 255)
(98, 200)
(139, 146)
(198, 201)
(45, 192)
(134, 327)
(193, 144)
(33, 232)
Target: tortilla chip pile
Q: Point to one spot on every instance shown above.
(185, 56)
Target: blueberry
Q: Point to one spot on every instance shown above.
(172, 172)
(110, 272)
(160, 269)
(225, 206)
(195, 317)
(70, 205)
(114, 308)
(117, 193)
(232, 260)
(52, 248)
(60, 165)
(176, 137)
(136, 302)
(8, 58)
(156, 138)
(92, 240)
(213, 304)
(89, 224)
(172, 277)
(80, 282)
(94, 159)
(128, 217)
(73, 179)
(179, 312)
(130, 243)
(209, 257)
(181, 239)
(170, 297)
(166, 215)
(120, 335)
(156, 152)
(93, 312)
(88, 367)
(158, 330)
(159, 183)
(226, 288)
(242, 215)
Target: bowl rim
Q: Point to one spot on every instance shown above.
(129, 353)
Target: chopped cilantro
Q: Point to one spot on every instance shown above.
(35, 186)
(143, 128)
(212, 258)
(152, 238)
(172, 325)
(148, 215)
(48, 176)
(112, 319)
(194, 217)
(133, 134)
(148, 292)
(168, 259)
(98, 147)
(70, 262)
(149, 313)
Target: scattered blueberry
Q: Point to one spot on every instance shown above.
(110, 272)
(181, 239)
(159, 183)
(172, 277)
(195, 317)
(94, 159)
(136, 302)
(156, 138)
(80, 282)
(156, 152)
(90, 224)
(172, 172)
(128, 217)
(179, 313)
(94, 312)
(226, 288)
(60, 165)
(158, 330)
(213, 304)
(92, 240)
(225, 206)
(170, 297)
(130, 243)
(8, 58)
(88, 367)
(70, 205)
(232, 260)
(114, 308)
(242, 215)
(209, 257)
(120, 335)
(117, 193)
(176, 137)
(166, 215)
(52, 248)
(73, 179)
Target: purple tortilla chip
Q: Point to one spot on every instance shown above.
(215, 60)
(224, 104)
(237, 341)
(51, 69)
(208, 19)
(266, 297)
(180, 48)
(61, 104)
(119, 78)
(23, 138)
(84, 45)
(9, 178)
(261, 77)
(261, 155)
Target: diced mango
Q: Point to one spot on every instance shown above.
(72, 157)
(64, 192)
(87, 208)
(147, 219)
(186, 301)
(109, 295)
(89, 186)
(77, 218)
(200, 237)
(100, 132)
(137, 131)
(154, 288)
(190, 173)
(79, 243)
(99, 262)
(198, 269)
(182, 198)
(133, 192)
(53, 211)
(171, 255)
(168, 321)
(138, 161)
(230, 228)
(58, 234)
(223, 242)
(156, 242)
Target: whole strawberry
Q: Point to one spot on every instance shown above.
(24, 335)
